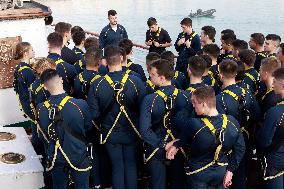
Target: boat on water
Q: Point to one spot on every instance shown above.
(200, 13)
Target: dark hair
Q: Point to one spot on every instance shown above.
(258, 38)
(197, 66)
(282, 47)
(47, 75)
(62, 28)
(207, 59)
(228, 38)
(78, 37)
(247, 57)
(111, 13)
(210, 31)
(164, 68)
(75, 29)
(270, 64)
(55, 40)
(112, 54)
(169, 56)
(151, 57)
(279, 74)
(227, 31)
(273, 37)
(205, 94)
(123, 53)
(186, 22)
(127, 45)
(93, 56)
(151, 21)
(240, 72)
(240, 45)
(212, 50)
(21, 49)
(228, 68)
(91, 42)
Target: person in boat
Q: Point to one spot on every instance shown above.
(270, 138)
(157, 38)
(271, 45)
(207, 35)
(113, 32)
(64, 29)
(187, 45)
(256, 43)
(208, 163)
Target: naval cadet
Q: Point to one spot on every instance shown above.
(150, 58)
(280, 54)
(79, 40)
(256, 43)
(271, 45)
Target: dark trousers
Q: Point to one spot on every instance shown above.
(213, 176)
(124, 169)
(60, 176)
(276, 183)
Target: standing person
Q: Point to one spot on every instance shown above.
(256, 43)
(157, 38)
(79, 40)
(271, 45)
(113, 32)
(150, 58)
(207, 35)
(114, 101)
(67, 122)
(227, 40)
(280, 54)
(270, 138)
(187, 45)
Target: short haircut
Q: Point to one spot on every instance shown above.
(210, 31)
(112, 55)
(127, 45)
(91, 42)
(55, 40)
(151, 21)
(43, 63)
(207, 59)
(123, 53)
(75, 29)
(93, 56)
(62, 28)
(164, 68)
(228, 38)
(247, 57)
(79, 37)
(169, 56)
(228, 68)
(270, 64)
(227, 31)
(258, 38)
(205, 94)
(240, 45)
(151, 57)
(212, 50)
(48, 74)
(273, 37)
(21, 49)
(186, 22)
(279, 74)
(111, 13)
(197, 66)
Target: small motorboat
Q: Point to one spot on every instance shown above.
(200, 13)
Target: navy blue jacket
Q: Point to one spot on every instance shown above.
(270, 138)
(110, 37)
(137, 68)
(211, 81)
(251, 80)
(152, 113)
(76, 115)
(66, 71)
(78, 52)
(38, 93)
(161, 36)
(69, 56)
(22, 81)
(104, 107)
(179, 80)
(202, 144)
(258, 58)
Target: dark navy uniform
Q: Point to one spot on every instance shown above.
(270, 143)
(184, 53)
(179, 80)
(211, 81)
(38, 93)
(78, 52)
(150, 87)
(64, 70)
(208, 159)
(69, 56)
(259, 56)
(157, 111)
(80, 65)
(83, 81)
(161, 36)
(251, 80)
(110, 37)
(227, 55)
(67, 153)
(114, 100)
(136, 68)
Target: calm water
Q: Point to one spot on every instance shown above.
(244, 16)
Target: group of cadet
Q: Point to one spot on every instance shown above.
(212, 117)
